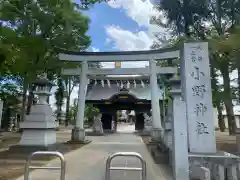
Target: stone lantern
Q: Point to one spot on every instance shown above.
(42, 89)
(39, 126)
(12, 119)
(175, 83)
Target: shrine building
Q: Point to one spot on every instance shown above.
(110, 94)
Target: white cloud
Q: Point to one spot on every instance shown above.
(94, 49)
(141, 12)
(126, 40)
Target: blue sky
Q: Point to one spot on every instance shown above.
(103, 15)
(121, 25)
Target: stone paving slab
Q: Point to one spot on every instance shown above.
(88, 162)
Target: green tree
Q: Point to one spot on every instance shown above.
(59, 97)
(9, 93)
(90, 112)
(211, 21)
(35, 31)
(70, 83)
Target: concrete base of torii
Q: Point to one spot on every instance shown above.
(78, 136)
(157, 134)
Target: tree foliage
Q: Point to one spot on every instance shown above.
(33, 32)
(59, 96)
(215, 21)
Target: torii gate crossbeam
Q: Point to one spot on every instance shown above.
(163, 54)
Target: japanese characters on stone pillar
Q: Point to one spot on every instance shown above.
(198, 96)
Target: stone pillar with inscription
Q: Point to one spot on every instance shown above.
(197, 93)
(157, 131)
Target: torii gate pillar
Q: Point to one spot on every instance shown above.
(78, 132)
(157, 131)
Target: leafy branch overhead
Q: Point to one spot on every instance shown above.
(37, 40)
(33, 32)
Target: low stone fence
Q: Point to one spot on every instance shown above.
(220, 166)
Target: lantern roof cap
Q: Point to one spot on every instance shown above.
(43, 81)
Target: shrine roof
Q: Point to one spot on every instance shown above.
(97, 92)
(124, 80)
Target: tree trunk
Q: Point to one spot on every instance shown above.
(231, 118)
(221, 122)
(67, 111)
(68, 102)
(24, 98)
(228, 100)
(30, 99)
(217, 101)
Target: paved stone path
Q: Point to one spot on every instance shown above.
(88, 162)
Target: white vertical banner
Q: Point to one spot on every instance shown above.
(128, 85)
(198, 97)
(134, 84)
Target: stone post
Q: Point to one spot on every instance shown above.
(238, 139)
(175, 87)
(11, 119)
(180, 162)
(156, 118)
(78, 133)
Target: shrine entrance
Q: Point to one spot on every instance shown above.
(118, 97)
(105, 86)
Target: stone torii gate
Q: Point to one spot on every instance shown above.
(192, 114)
(78, 133)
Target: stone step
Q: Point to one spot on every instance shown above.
(162, 148)
(159, 157)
